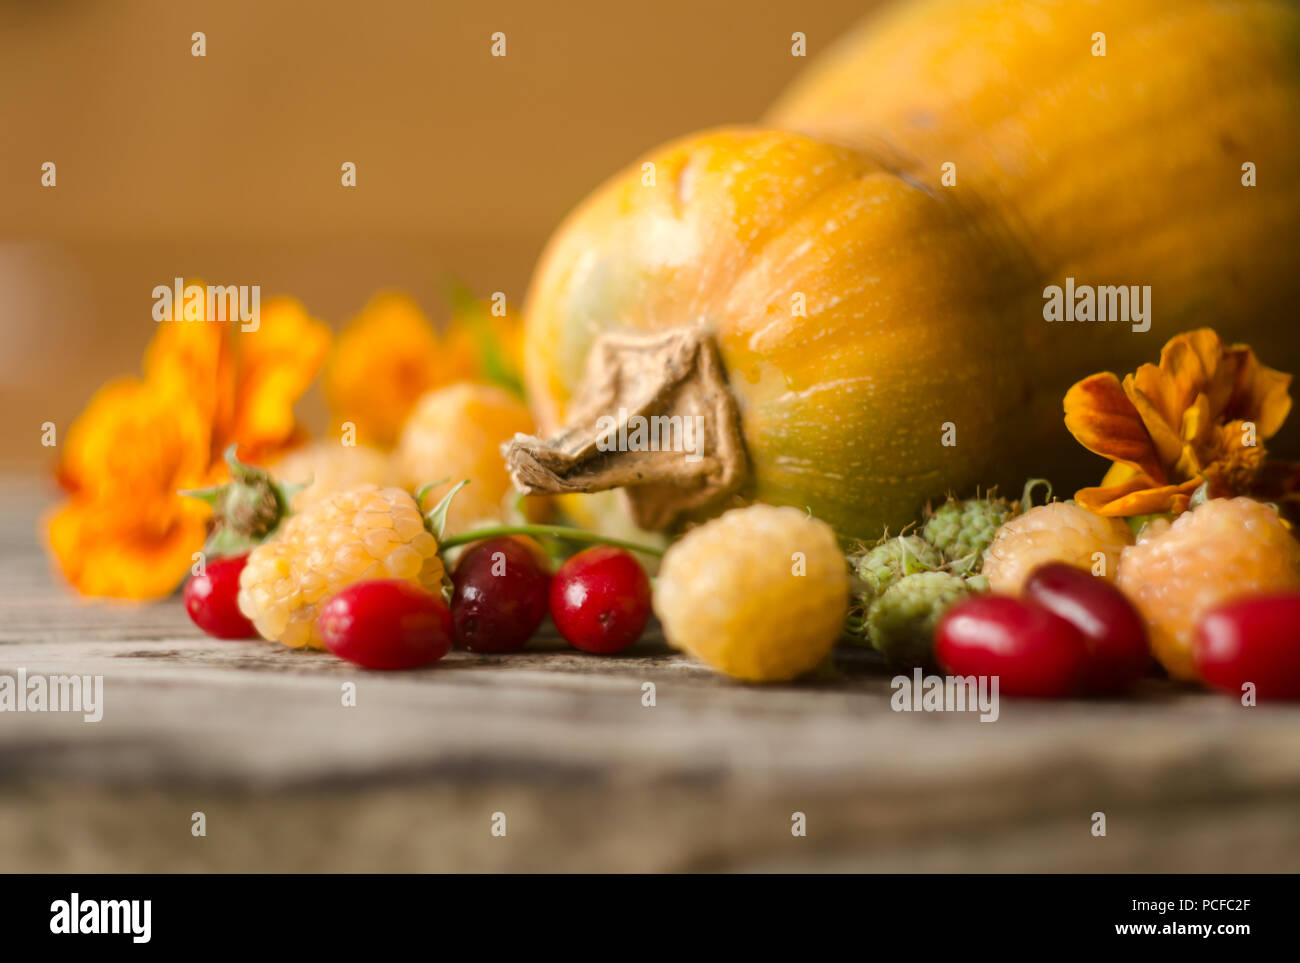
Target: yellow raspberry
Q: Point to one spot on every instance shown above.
(326, 467)
(363, 533)
(456, 433)
(759, 593)
(1056, 532)
(1219, 551)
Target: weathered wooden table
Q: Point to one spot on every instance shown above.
(257, 739)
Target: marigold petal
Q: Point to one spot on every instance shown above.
(1118, 473)
(1188, 362)
(1100, 496)
(1233, 372)
(384, 360)
(1198, 424)
(1192, 358)
(1162, 392)
(1164, 433)
(191, 360)
(1136, 497)
(1103, 419)
(108, 550)
(275, 364)
(1259, 394)
(134, 440)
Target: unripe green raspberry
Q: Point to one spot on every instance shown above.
(891, 560)
(901, 622)
(962, 530)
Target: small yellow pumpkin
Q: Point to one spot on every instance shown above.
(879, 333)
(854, 317)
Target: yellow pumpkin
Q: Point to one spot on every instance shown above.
(1111, 137)
(851, 310)
(883, 335)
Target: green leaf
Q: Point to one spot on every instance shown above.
(494, 363)
(209, 496)
(424, 489)
(436, 518)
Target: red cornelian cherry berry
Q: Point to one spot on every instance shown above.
(501, 594)
(211, 599)
(1114, 634)
(1031, 650)
(1254, 639)
(386, 624)
(600, 600)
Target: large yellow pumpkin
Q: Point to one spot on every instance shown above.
(1110, 135)
(883, 334)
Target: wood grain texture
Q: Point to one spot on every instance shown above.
(255, 737)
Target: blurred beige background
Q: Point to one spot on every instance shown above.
(227, 167)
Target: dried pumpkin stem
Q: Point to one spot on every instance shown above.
(655, 417)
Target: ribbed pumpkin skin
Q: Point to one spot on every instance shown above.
(1118, 169)
(843, 409)
(924, 302)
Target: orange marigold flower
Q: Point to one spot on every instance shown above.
(124, 530)
(494, 337)
(384, 360)
(1199, 416)
(389, 356)
(274, 366)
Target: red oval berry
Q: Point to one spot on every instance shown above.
(386, 624)
(501, 594)
(1032, 651)
(1114, 634)
(600, 600)
(1252, 640)
(212, 599)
